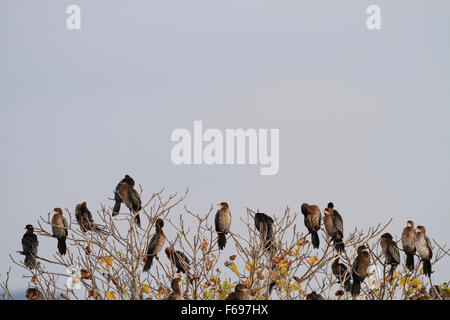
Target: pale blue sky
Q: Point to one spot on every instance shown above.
(363, 115)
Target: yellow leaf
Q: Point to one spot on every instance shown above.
(145, 288)
(107, 261)
(111, 295)
(421, 270)
(234, 268)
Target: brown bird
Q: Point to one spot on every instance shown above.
(126, 193)
(312, 222)
(60, 230)
(360, 266)
(223, 222)
(408, 244)
(240, 293)
(178, 259)
(314, 296)
(334, 225)
(155, 245)
(390, 251)
(30, 245)
(176, 294)
(424, 249)
(264, 224)
(342, 273)
(85, 220)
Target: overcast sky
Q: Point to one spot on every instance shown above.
(363, 115)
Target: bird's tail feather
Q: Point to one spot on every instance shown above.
(100, 230)
(30, 261)
(356, 288)
(62, 247)
(315, 239)
(348, 285)
(116, 208)
(391, 272)
(138, 220)
(427, 267)
(222, 241)
(148, 263)
(410, 261)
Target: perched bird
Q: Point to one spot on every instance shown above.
(360, 267)
(240, 293)
(85, 220)
(60, 230)
(424, 249)
(390, 251)
(155, 245)
(314, 296)
(264, 224)
(312, 222)
(334, 225)
(30, 245)
(223, 222)
(178, 259)
(176, 294)
(126, 193)
(408, 244)
(34, 294)
(342, 273)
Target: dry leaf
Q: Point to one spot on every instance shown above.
(64, 296)
(232, 257)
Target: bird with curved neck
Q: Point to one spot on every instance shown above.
(176, 287)
(264, 224)
(408, 244)
(240, 293)
(424, 249)
(360, 269)
(223, 222)
(390, 251)
(334, 226)
(178, 259)
(60, 230)
(85, 220)
(312, 222)
(30, 245)
(126, 193)
(155, 245)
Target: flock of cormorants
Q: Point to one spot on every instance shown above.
(412, 240)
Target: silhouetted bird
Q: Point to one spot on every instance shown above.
(424, 249)
(264, 224)
(360, 268)
(240, 293)
(176, 294)
(408, 240)
(390, 251)
(30, 245)
(314, 296)
(342, 273)
(126, 193)
(223, 222)
(178, 259)
(334, 225)
(60, 230)
(85, 220)
(155, 245)
(312, 222)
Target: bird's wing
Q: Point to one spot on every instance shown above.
(338, 222)
(430, 247)
(66, 226)
(135, 199)
(393, 250)
(153, 244)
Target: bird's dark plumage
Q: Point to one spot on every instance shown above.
(155, 245)
(264, 224)
(390, 251)
(126, 193)
(85, 220)
(240, 293)
(312, 222)
(30, 245)
(342, 273)
(334, 226)
(314, 296)
(424, 249)
(60, 230)
(176, 294)
(360, 269)
(222, 222)
(408, 244)
(178, 259)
